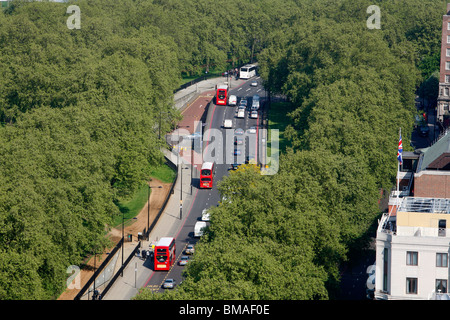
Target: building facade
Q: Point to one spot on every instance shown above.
(443, 101)
(412, 251)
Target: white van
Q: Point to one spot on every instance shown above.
(255, 105)
(232, 100)
(228, 123)
(205, 215)
(241, 113)
(198, 228)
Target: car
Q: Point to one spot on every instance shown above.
(169, 283)
(205, 215)
(238, 141)
(424, 130)
(183, 260)
(227, 123)
(237, 151)
(255, 105)
(239, 131)
(189, 249)
(252, 130)
(254, 83)
(241, 113)
(232, 100)
(243, 104)
(254, 114)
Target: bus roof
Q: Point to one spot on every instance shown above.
(165, 241)
(248, 66)
(222, 86)
(207, 165)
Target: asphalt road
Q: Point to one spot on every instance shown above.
(205, 198)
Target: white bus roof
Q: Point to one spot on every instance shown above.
(165, 241)
(248, 66)
(207, 165)
(222, 86)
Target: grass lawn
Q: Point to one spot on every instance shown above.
(131, 208)
(278, 119)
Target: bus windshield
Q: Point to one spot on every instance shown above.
(206, 172)
(161, 258)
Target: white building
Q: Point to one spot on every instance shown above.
(412, 250)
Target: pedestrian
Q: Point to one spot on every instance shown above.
(144, 254)
(148, 254)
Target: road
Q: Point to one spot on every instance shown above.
(205, 198)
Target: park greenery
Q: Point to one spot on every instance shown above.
(80, 130)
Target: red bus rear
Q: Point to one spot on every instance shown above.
(206, 175)
(164, 254)
(222, 95)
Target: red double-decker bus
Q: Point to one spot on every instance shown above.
(222, 94)
(206, 175)
(164, 253)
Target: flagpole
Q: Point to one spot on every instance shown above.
(398, 171)
(398, 168)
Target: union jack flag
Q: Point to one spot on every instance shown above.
(400, 150)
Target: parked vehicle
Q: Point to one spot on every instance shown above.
(241, 113)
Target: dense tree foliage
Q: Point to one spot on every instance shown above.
(284, 236)
(79, 114)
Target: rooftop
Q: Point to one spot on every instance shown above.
(430, 205)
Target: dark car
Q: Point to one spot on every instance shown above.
(424, 130)
(234, 166)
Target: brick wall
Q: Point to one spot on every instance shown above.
(432, 186)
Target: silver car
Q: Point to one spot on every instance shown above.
(169, 284)
(189, 249)
(183, 260)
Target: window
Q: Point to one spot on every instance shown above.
(411, 285)
(447, 52)
(411, 258)
(441, 259)
(448, 25)
(441, 227)
(441, 286)
(447, 78)
(448, 39)
(447, 65)
(446, 92)
(385, 269)
(445, 106)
